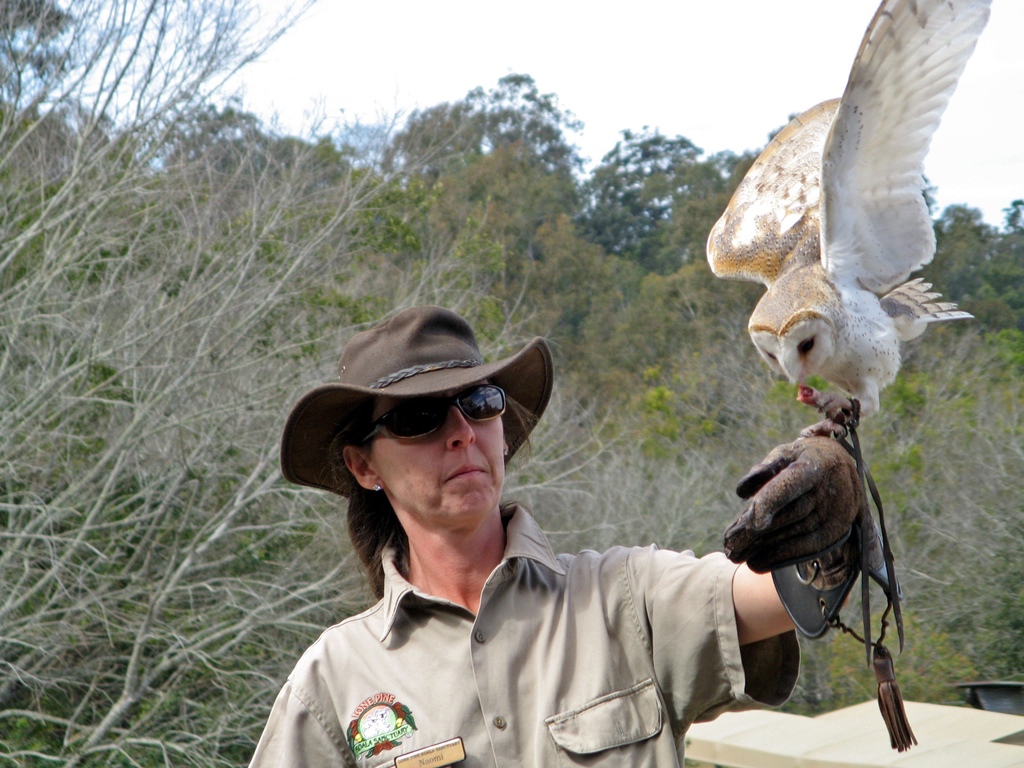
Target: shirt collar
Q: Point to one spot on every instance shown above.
(523, 539)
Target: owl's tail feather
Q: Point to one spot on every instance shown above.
(912, 307)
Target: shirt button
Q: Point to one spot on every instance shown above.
(479, 636)
(500, 723)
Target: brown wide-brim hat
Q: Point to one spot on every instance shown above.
(419, 352)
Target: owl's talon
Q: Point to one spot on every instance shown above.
(841, 413)
(825, 428)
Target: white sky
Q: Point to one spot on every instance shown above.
(722, 73)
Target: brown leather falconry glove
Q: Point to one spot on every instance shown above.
(806, 523)
(804, 499)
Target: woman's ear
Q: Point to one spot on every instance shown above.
(357, 459)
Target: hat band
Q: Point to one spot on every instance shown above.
(405, 373)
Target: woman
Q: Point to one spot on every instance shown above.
(485, 647)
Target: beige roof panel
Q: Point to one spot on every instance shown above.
(855, 737)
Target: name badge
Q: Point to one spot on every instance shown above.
(446, 753)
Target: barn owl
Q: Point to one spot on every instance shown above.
(832, 216)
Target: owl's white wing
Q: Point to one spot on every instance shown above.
(875, 223)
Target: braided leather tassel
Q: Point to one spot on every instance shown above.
(890, 700)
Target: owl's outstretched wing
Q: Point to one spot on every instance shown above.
(772, 219)
(874, 217)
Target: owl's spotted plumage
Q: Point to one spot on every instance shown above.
(832, 216)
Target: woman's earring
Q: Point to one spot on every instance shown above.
(377, 488)
(506, 450)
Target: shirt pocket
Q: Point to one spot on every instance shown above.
(610, 730)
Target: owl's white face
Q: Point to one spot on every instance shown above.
(804, 348)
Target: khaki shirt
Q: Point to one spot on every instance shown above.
(592, 659)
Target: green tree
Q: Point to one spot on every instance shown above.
(577, 287)
(653, 200)
(499, 165)
(30, 53)
(514, 115)
(963, 245)
(1003, 625)
(980, 267)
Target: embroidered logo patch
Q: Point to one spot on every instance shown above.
(379, 723)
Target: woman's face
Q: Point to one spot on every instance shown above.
(448, 479)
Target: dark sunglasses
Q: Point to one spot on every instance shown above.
(420, 417)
